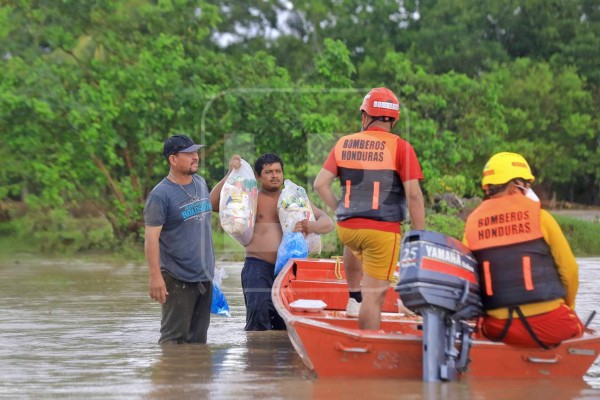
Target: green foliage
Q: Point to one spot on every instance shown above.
(550, 113)
(92, 127)
(447, 224)
(453, 35)
(456, 184)
(55, 231)
(89, 91)
(334, 65)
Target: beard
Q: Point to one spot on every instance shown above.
(192, 170)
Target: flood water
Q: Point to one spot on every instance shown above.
(82, 330)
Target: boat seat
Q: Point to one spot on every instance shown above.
(334, 293)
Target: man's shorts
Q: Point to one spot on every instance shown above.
(257, 281)
(378, 250)
(551, 328)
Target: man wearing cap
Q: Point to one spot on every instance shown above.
(178, 245)
(379, 177)
(529, 276)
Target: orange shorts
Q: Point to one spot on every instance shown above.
(551, 328)
(378, 250)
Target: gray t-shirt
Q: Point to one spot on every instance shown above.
(186, 246)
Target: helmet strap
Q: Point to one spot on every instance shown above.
(366, 128)
(379, 119)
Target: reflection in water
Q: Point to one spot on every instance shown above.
(514, 389)
(488, 389)
(387, 389)
(182, 371)
(252, 370)
(72, 329)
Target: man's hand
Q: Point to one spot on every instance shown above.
(303, 226)
(158, 289)
(235, 162)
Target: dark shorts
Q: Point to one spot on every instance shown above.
(257, 281)
(186, 313)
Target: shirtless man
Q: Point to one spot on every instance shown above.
(258, 273)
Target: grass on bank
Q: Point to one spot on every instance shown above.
(583, 236)
(92, 237)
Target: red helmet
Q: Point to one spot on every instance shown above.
(381, 102)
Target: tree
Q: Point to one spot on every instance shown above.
(92, 113)
(92, 121)
(551, 120)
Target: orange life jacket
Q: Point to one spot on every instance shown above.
(371, 186)
(515, 263)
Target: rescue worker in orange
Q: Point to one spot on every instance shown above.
(529, 276)
(379, 177)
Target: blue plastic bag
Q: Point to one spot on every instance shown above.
(218, 303)
(292, 245)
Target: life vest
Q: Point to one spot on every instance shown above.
(515, 263)
(371, 186)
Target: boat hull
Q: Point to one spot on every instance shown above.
(331, 344)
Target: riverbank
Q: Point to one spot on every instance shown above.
(87, 238)
(590, 215)
(582, 235)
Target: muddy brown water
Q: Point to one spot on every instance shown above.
(72, 329)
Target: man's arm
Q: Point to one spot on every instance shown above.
(157, 288)
(215, 193)
(323, 223)
(322, 186)
(416, 204)
(566, 263)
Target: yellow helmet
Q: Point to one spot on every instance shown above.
(503, 167)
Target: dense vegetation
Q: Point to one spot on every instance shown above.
(90, 89)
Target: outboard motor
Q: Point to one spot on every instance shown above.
(439, 281)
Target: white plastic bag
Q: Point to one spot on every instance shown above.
(237, 207)
(294, 206)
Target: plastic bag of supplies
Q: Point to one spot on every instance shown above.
(219, 303)
(294, 206)
(237, 207)
(292, 245)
